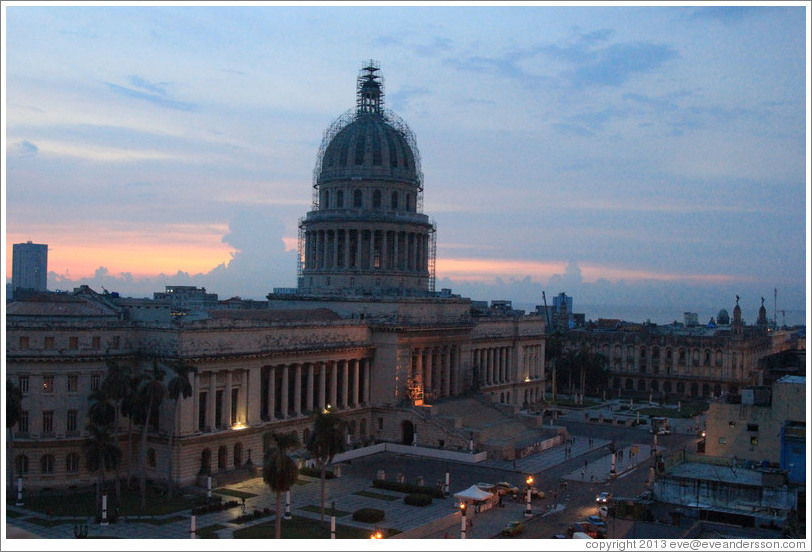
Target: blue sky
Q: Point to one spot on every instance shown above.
(647, 155)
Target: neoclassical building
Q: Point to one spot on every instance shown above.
(679, 361)
(364, 332)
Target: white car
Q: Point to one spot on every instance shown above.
(604, 497)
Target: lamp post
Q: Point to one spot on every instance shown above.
(193, 530)
(287, 506)
(447, 488)
(208, 486)
(104, 510)
(528, 512)
(463, 525)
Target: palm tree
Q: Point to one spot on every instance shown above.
(326, 440)
(117, 386)
(279, 471)
(14, 409)
(102, 453)
(151, 393)
(178, 387)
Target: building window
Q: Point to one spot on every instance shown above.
(752, 427)
(357, 199)
(23, 342)
(46, 464)
(73, 343)
(115, 342)
(21, 465)
(47, 384)
(96, 342)
(95, 379)
(22, 382)
(218, 409)
(201, 413)
(47, 421)
(722, 440)
(380, 423)
(394, 201)
(152, 458)
(754, 440)
(376, 199)
(732, 424)
(71, 420)
(73, 383)
(49, 342)
(72, 463)
(22, 423)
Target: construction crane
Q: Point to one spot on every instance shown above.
(546, 312)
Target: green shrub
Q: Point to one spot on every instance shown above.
(316, 472)
(407, 488)
(418, 499)
(368, 515)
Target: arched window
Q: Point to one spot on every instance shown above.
(409, 204)
(152, 458)
(21, 465)
(357, 199)
(205, 461)
(237, 454)
(363, 427)
(72, 462)
(326, 201)
(376, 199)
(222, 458)
(340, 199)
(394, 201)
(46, 464)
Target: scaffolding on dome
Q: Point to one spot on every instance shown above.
(300, 251)
(432, 255)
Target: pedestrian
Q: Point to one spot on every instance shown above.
(592, 477)
(583, 471)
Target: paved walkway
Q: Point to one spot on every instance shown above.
(344, 492)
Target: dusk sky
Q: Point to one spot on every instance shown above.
(648, 155)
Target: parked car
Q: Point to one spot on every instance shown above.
(486, 486)
(503, 487)
(663, 431)
(604, 497)
(513, 528)
(603, 512)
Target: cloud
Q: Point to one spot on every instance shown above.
(616, 64)
(25, 149)
(151, 92)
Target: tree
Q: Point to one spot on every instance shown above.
(326, 440)
(279, 471)
(150, 395)
(14, 409)
(102, 453)
(178, 387)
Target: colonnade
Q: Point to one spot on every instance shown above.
(223, 401)
(363, 249)
(291, 390)
(438, 370)
(494, 364)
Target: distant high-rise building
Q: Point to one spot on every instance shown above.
(691, 319)
(29, 267)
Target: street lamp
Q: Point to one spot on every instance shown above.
(333, 521)
(463, 527)
(528, 512)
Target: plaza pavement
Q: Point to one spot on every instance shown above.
(343, 491)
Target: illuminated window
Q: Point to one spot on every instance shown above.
(47, 384)
(754, 440)
(722, 441)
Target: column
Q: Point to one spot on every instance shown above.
(271, 393)
(322, 384)
(210, 422)
(285, 383)
(242, 411)
(427, 387)
(367, 368)
(334, 383)
(347, 248)
(356, 372)
(334, 252)
(310, 379)
(384, 249)
(371, 249)
(419, 367)
(196, 400)
(297, 391)
(345, 385)
(447, 371)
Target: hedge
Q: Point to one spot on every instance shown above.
(418, 499)
(368, 515)
(407, 488)
(316, 472)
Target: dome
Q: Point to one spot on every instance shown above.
(723, 317)
(369, 147)
(369, 142)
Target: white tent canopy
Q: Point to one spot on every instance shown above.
(473, 493)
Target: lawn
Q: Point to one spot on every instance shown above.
(81, 504)
(232, 492)
(301, 528)
(327, 510)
